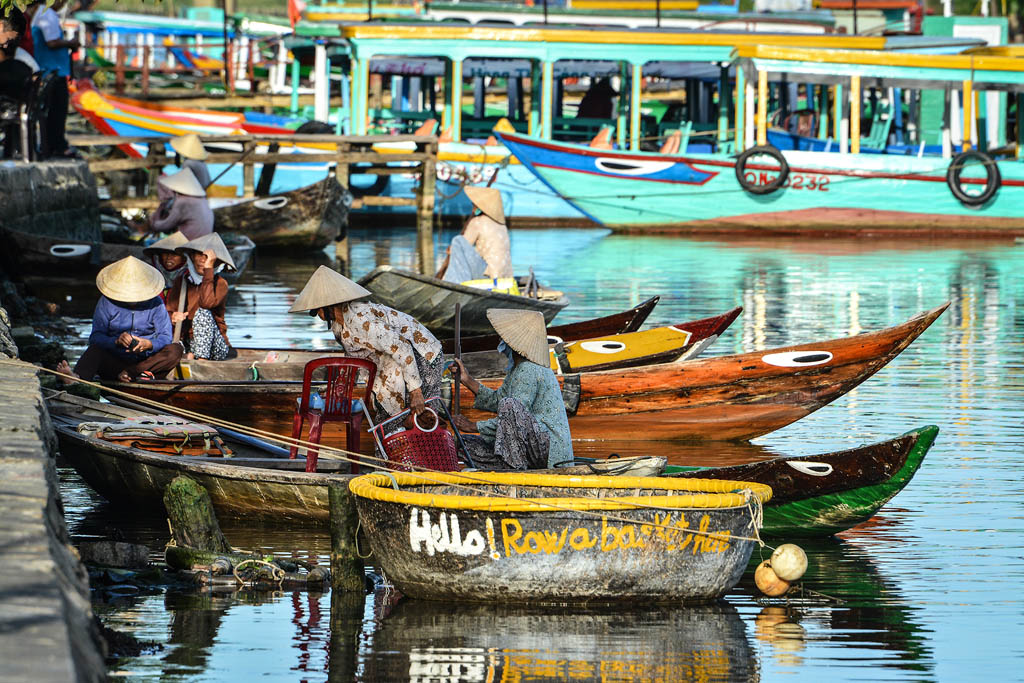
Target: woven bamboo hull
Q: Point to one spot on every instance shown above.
(821, 495)
(432, 301)
(308, 218)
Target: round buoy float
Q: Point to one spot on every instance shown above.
(789, 562)
(768, 582)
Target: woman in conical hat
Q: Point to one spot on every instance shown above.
(131, 333)
(530, 429)
(188, 153)
(483, 248)
(201, 314)
(408, 357)
(183, 207)
(163, 253)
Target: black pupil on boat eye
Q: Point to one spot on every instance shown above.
(820, 468)
(618, 167)
(812, 358)
(611, 345)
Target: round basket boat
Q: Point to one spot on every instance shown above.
(489, 536)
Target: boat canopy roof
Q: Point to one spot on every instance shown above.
(637, 46)
(989, 68)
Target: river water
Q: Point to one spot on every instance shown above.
(929, 590)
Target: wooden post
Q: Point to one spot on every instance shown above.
(346, 565)
(157, 156)
(425, 208)
(193, 522)
(119, 70)
(636, 81)
(855, 96)
(762, 107)
(145, 70)
(969, 115)
(342, 248)
(740, 110)
(248, 170)
(346, 623)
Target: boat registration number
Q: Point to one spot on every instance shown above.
(795, 181)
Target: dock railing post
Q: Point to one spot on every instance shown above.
(156, 156)
(248, 169)
(346, 565)
(119, 70)
(425, 206)
(342, 249)
(145, 69)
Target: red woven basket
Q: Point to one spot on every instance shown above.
(415, 448)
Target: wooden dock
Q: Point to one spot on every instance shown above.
(341, 152)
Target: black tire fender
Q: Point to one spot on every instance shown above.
(993, 179)
(759, 150)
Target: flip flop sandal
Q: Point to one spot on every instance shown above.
(145, 376)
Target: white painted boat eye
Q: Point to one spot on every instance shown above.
(70, 250)
(602, 346)
(271, 203)
(552, 340)
(630, 166)
(797, 359)
(815, 469)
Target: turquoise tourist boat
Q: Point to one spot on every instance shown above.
(750, 185)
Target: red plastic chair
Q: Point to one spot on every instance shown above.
(342, 373)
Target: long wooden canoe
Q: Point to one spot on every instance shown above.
(657, 345)
(617, 323)
(310, 217)
(432, 301)
(737, 397)
(38, 253)
(821, 495)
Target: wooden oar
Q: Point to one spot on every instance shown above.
(181, 307)
(456, 374)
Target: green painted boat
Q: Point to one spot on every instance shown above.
(821, 495)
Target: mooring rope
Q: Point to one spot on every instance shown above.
(347, 456)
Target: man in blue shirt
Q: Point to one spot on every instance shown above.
(53, 53)
(131, 331)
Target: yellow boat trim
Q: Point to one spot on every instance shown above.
(589, 352)
(624, 38)
(695, 493)
(898, 59)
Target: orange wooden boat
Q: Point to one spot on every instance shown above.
(735, 397)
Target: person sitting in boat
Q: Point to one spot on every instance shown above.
(531, 429)
(131, 333)
(598, 102)
(189, 153)
(185, 209)
(409, 359)
(482, 250)
(198, 298)
(163, 255)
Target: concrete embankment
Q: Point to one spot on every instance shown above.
(52, 198)
(47, 628)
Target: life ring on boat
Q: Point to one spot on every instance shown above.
(750, 183)
(993, 179)
(271, 203)
(70, 250)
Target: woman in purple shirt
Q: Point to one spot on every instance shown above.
(131, 331)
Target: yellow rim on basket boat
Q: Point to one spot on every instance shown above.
(686, 493)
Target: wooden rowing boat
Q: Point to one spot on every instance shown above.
(40, 253)
(432, 301)
(737, 397)
(511, 537)
(617, 323)
(821, 495)
(657, 345)
(310, 217)
(253, 485)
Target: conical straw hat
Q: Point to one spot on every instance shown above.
(211, 241)
(184, 182)
(524, 331)
(325, 288)
(488, 200)
(169, 243)
(190, 147)
(129, 280)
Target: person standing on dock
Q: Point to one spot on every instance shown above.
(201, 311)
(185, 208)
(131, 333)
(531, 429)
(53, 53)
(483, 249)
(188, 153)
(408, 357)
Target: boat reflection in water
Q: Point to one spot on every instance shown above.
(426, 641)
